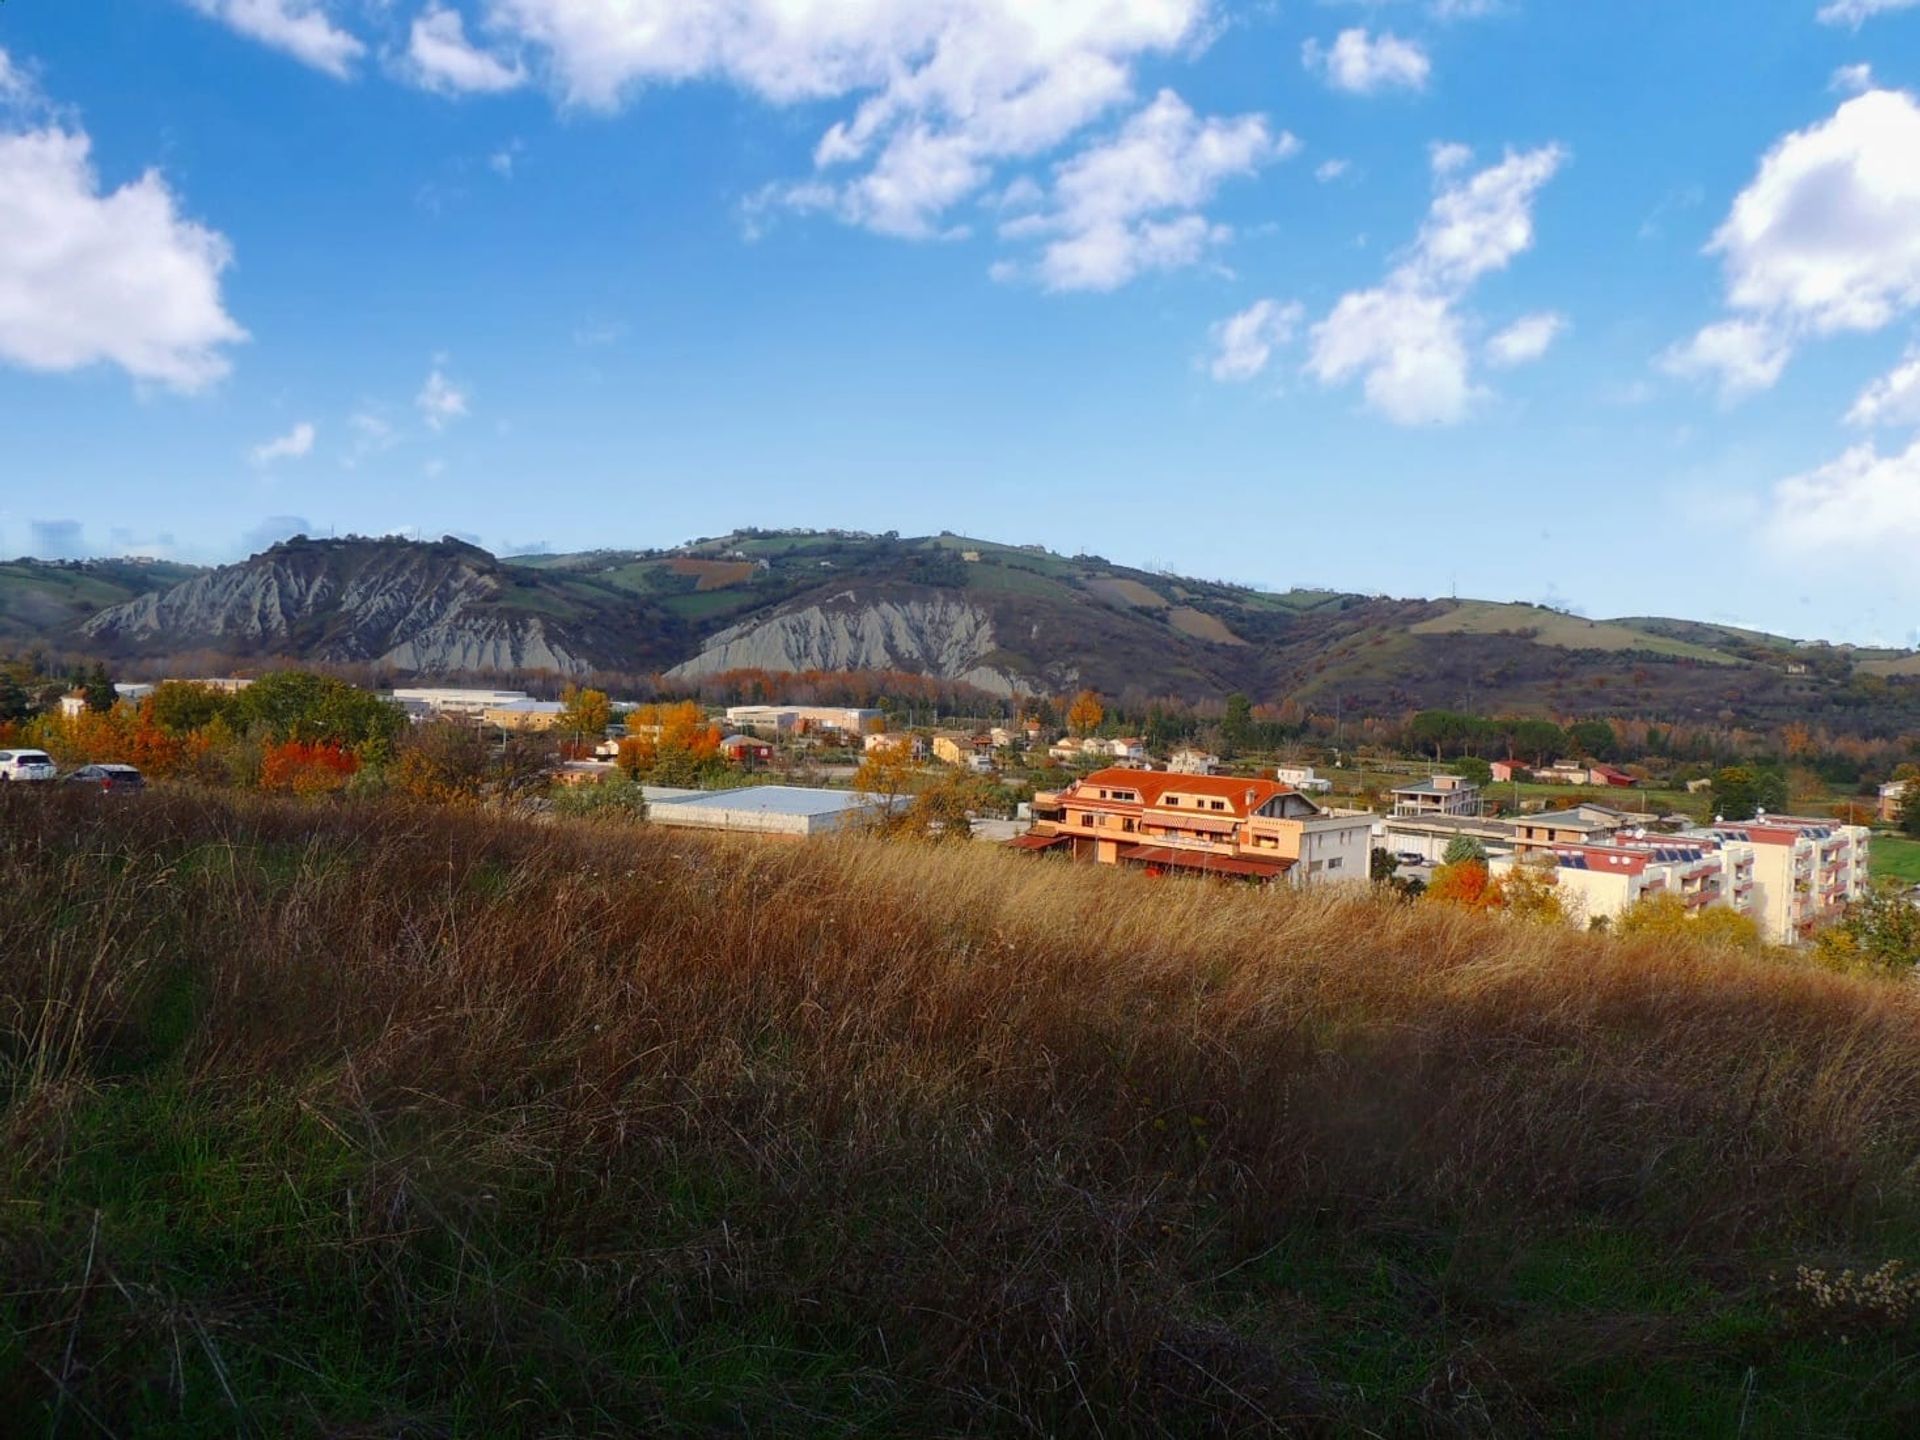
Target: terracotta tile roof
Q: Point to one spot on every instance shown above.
(1243, 796)
(1167, 856)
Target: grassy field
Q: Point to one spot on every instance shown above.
(1894, 857)
(348, 1121)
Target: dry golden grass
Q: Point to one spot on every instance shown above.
(943, 1141)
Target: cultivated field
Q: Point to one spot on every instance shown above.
(340, 1121)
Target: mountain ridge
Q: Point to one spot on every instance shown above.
(1007, 619)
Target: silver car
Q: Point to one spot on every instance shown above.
(26, 765)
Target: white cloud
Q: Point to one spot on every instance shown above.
(1328, 171)
(1862, 501)
(443, 59)
(1742, 356)
(1851, 79)
(1447, 156)
(294, 445)
(1825, 239)
(15, 87)
(1244, 343)
(947, 91)
(1464, 9)
(1856, 13)
(1526, 340)
(1403, 338)
(1132, 203)
(1893, 399)
(120, 276)
(440, 401)
(1406, 343)
(1360, 64)
(299, 28)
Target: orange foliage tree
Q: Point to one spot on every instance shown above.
(1085, 713)
(1466, 883)
(307, 769)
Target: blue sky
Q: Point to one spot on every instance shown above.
(1612, 306)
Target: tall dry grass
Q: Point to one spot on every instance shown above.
(1014, 1141)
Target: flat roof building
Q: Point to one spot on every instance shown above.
(790, 810)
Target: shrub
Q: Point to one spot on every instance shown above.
(306, 769)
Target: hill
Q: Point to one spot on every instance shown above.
(45, 600)
(1008, 619)
(341, 1120)
(419, 607)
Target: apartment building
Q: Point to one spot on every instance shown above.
(1438, 795)
(1169, 823)
(1599, 879)
(1805, 871)
(1893, 796)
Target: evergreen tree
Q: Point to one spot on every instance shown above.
(99, 690)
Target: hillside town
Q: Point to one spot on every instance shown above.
(1585, 841)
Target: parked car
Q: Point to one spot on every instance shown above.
(26, 765)
(108, 777)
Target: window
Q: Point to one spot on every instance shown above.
(1334, 863)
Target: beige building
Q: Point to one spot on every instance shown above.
(1805, 871)
(1438, 795)
(961, 750)
(1218, 825)
(1598, 880)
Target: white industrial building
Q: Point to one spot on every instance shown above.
(790, 810)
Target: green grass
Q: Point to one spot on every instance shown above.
(1894, 857)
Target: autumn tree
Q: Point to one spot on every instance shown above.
(1465, 884)
(585, 713)
(1085, 713)
(1880, 932)
(445, 762)
(307, 768)
(885, 779)
(181, 707)
(1530, 891)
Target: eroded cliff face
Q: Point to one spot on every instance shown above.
(421, 608)
(947, 636)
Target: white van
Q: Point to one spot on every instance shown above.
(26, 765)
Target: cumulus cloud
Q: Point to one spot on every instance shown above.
(119, 276)
(443, 59)
(1132, 203)
(1825, 239)
(1855, 13)
(1244, 343)
(1362, 64)
(1861, 501)
(946, 92)
(1893, 399)
(1328, 171)
(1526, 340)
(294, 445)
(440, 401)
(299, 28)
(1404, 339)
(1741, 356)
